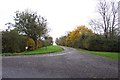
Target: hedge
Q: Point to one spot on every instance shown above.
(102, 44)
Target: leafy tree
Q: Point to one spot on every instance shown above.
(57, 41)
(61, 41)
(73, 36)
(48, 41)
(30, 24)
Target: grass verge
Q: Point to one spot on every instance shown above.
(44, 50)
(110, 55)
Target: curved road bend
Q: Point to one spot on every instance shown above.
(67, 64)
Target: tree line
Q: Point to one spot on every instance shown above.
(28, 32)
(105, 35)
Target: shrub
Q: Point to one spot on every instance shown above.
(40, 43)
(10, 41)
(98, 43)
(78, 43)
(118, 43)
(30, 43)
(61, 41)
(22, 43)
(93, 43)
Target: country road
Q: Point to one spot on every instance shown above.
(67, 64)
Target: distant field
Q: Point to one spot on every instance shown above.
(44, 50)
(111, 55)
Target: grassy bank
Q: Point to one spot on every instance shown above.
(44, 50)
(110, 55)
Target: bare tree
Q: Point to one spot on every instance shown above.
(118, 30)
(108, 22)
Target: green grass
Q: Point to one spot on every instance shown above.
(110, 55)
(44, 50)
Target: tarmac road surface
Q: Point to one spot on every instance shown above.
(67, 64)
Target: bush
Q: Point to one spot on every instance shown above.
(40, 43)
(93, 43)
(30, 43)
(78, 43)
(13, 42)
(61, 41)
(22, 43)
(109, 45)
(98, 43)
(10, 41)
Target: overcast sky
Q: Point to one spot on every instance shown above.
(62, 15)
